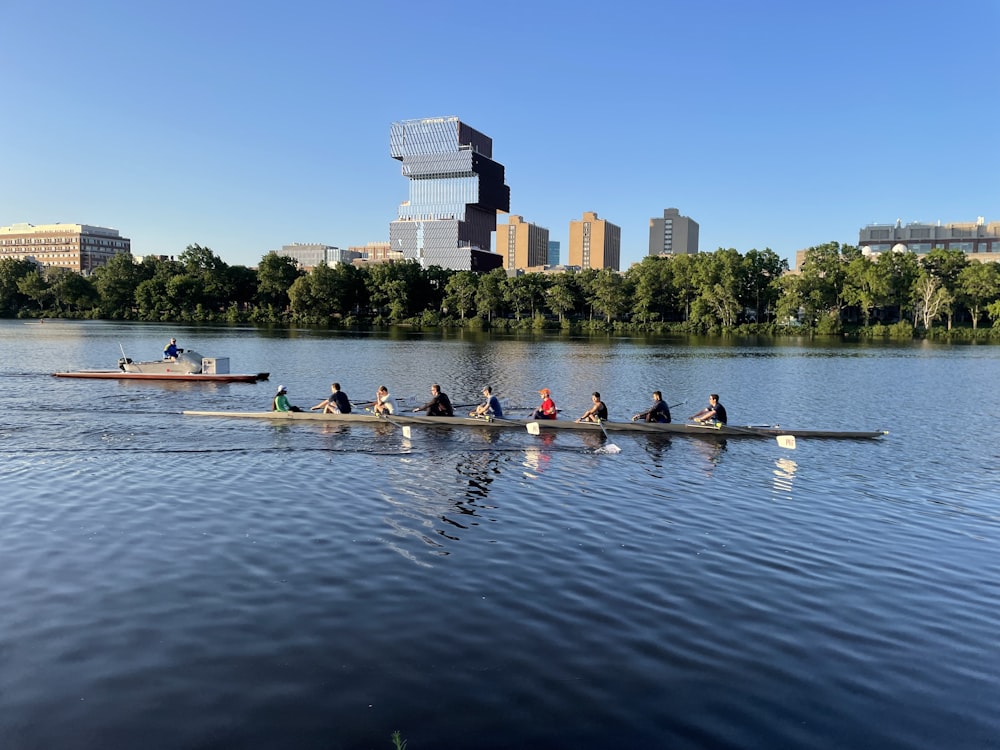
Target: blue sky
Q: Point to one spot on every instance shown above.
(244, 127)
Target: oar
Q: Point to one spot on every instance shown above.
(787, 441)
(600, 423)
(407, 432)
(610, 447)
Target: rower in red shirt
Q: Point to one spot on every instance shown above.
(547, 409)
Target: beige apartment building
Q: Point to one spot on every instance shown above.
(78, 247)
(594, 243)
(522, 244)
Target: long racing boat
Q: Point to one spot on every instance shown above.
(710, 430)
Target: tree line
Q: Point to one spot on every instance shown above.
(838, 289)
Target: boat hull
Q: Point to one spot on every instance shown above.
(174, 376)
(673, 428)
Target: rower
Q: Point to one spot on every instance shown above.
(658, 412)
(439, 405)
(547, 409)
(596, 413)
(714, 412)
(489, 408)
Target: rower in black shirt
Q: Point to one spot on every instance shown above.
(439, 405)
(714, 412)
(658, 412)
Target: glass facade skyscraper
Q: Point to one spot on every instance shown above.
(456, 190)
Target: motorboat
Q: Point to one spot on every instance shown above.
(188, 365)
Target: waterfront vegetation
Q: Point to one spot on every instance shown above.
(838, 291)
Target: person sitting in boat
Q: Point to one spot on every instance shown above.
(714, 412)
(337, 403)
(490, 407)
(596, 413)
(170, 351)
(658, 412)
(383, 402)
(280, 401)
(439, 405)
(547, 409)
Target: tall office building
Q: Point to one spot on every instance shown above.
(456, 191)
(522, 244)
(673, 234)
(594, 243)
(553, 252)
(78, 247)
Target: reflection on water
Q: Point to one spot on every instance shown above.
(784, 473)
(711, 451)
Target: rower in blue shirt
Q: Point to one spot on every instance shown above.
(489, 408)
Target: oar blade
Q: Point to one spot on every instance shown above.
(533, 428)
(786, 441)
(407, 432)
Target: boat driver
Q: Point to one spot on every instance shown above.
(170, 351)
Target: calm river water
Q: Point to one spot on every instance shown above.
(185, 582)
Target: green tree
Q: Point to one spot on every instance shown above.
(152, 299)
(978, 285)
(652, 282)
(489, 294)
(931, 299)
(327, 293)
(993, 310)
(116, 282)
(187, 292)
(823, 273)
(12, 270)
(609, 295)
(685, 271)
(946, 265)
(901, 270)
(524, 293)
(761, 271)
(70, 290)
(460, 293)
(35, 287)
(243, 286)
(390, 287)
(790, 304)
(211, 274)
(275, 276)
(563, 295)
(865, 286)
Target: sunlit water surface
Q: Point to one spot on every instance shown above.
(181, 582)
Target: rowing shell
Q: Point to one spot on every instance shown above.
(700, 430)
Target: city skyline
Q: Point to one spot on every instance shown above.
(800, 124)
